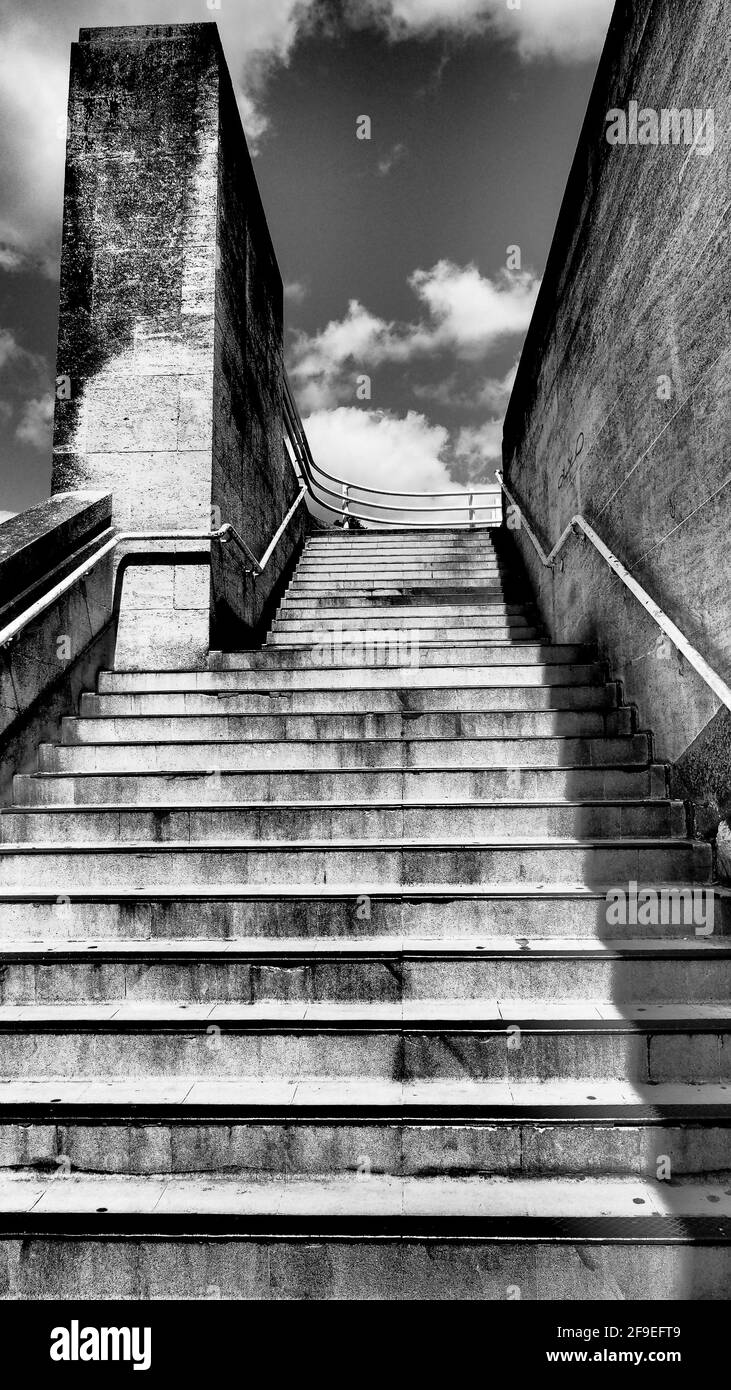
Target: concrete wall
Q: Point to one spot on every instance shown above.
(253, 479)
(621, 404)
(163, 233)
(46, 666)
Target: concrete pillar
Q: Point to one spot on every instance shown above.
(170, 332)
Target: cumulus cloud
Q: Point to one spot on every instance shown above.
(568, 30)
(488, 393)
(257, 35)
(380, 449)
(35, 423)
(388, 161)
(296, 292)
(469, 311)
(10, 258)
(34, 61)
(9, 349)
(480, 444)
(467, 314)
(383, 450)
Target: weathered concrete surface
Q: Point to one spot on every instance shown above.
(170, 300)
(253, 479)
(620, 407)
(41, 541)
(45, 668)
(320, 1269)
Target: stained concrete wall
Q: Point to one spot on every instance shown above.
(46, 666)
(159, 319)
(621, 404)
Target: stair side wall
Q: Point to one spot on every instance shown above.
(620, 406)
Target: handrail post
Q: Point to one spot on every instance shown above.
(471, 509)
(579, 523)
(346, 507)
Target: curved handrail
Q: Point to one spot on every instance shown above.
(351, 507)
(666, 625)
(224, 534)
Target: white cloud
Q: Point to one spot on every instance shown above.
(467, 314)
(256, 35)
(9, 349)
(10, 259)
(33, 88)
(393, 157)
(494, 394)
(570, 30)
(14, 356)
(296, 292)
(35, 425)
(34, 62)
(379, 449)
(480, 444)
(489, 393)
(471, 312)
(382, 450)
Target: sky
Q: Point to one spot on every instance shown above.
(411, 256)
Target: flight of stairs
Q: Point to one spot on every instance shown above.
(308, 989)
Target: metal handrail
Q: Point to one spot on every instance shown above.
(307, 470)
(224, 534)
(666, 625)
(274, 542)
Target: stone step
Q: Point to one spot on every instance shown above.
(392, 616)
(407, 753)
(428, 677)
(342, 605)
(378, 1237)
(381, 634)
(285, 727)
(362, 911)
(422, 1129)
(382, 969)
(432, 1239)
(365, 589)
(483, 653)
(298, 821)
(405, 544)
(398, 572)
(376, 703)
(415, 555)
(208, 787)
(324, 563)
(480, 617)
(421, 543)
(157, 864)
(439, 1039)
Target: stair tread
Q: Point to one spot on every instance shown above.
(125, 807)
(421, 845)
(390, 946)
(450, 1014)
(398, 891)
(376, 1195)
(351, 1093)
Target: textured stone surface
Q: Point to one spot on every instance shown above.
(637, 289)
(170, 336)
(49, 663)
(38, 542)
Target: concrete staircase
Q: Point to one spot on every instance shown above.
(308, 988)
